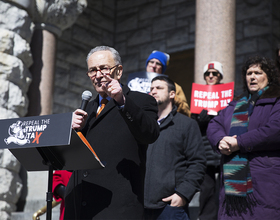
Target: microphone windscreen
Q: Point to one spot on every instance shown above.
(86, 95)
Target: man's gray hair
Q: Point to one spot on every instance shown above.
(115, 53)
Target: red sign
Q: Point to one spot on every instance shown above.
(212, 98)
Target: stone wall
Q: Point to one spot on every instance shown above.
(95, 26)
(257, 31)
(138, 27)
(142, 27)
(134, 29)
(14, 81)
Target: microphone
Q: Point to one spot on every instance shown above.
(86, 96)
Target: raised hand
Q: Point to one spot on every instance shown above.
(114, 90)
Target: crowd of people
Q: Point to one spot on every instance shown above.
(158, 154)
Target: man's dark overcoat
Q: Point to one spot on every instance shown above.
(120, 137)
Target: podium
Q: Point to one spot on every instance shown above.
(46, 143)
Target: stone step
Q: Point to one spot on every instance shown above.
(193, 211)
(29, 215)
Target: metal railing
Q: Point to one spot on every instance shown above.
(43, 210)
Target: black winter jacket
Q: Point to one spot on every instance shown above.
(175, 162)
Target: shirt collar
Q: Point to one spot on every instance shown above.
(162, 119)
(100, 98)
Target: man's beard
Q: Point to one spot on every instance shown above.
(159, 102)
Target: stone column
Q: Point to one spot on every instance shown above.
(215, 37)
(43, 47)
(50, 20)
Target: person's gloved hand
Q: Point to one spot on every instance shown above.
(203, 116)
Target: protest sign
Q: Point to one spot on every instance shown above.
(141, 81)
(211, 97)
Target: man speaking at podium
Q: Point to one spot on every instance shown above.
(119, 134)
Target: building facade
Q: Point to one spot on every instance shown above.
(44, 44)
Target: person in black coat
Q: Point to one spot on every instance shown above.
(208, 200)
(119, 135)
(176, 161)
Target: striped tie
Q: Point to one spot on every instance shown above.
(103, 103)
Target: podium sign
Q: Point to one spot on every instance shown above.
(38, 131)
(36, 141)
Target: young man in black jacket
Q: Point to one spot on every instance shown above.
(175, 161)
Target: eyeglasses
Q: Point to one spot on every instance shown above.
(104, 70)
(213, 73)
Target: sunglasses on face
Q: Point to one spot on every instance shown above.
(213, 73)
